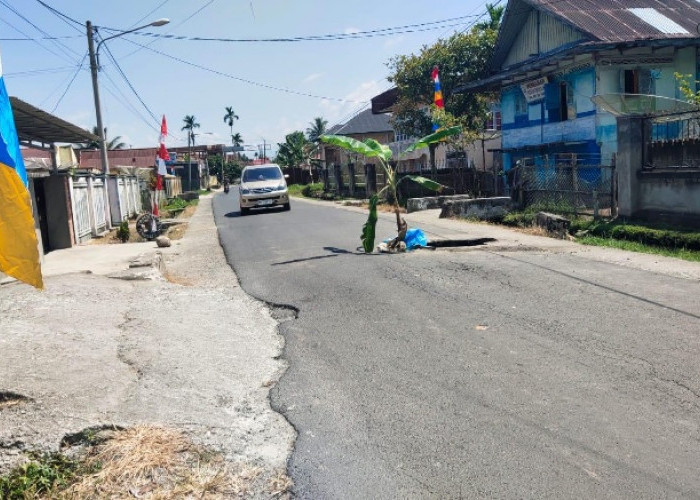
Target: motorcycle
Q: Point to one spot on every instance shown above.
(226, 187)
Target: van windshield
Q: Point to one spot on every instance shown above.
(262, 174)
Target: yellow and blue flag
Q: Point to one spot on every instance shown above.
(19, 248)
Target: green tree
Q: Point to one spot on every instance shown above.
(189, 126)
(115, 143)
(229, 118)
(316, 129)
(295, 151)
(460, 58)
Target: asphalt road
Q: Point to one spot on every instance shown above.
(441, 374)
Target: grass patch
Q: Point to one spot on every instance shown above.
(632, 246)
(43, 476)
(314, 190)
(140, 462)
(650, 235)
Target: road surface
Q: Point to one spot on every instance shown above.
(480, 373)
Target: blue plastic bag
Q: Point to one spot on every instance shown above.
(415, 238)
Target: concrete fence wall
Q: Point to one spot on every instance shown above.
(649, 192)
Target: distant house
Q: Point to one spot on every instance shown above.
(364, 125)
(479, 155)
(552, 57)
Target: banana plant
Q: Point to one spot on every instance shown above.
(371, 148)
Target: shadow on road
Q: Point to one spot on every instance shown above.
(334, 252)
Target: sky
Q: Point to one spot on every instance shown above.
(274, 87)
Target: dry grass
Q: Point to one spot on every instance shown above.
(159, 463)
(279, 484)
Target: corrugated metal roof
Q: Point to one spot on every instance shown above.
(364, 123)
(619, 20)
(36, 125)
(604, 21)
(659, 21)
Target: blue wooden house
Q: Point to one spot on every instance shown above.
(552, 57)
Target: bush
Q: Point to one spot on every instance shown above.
(123, 233)
(314, 190)
(41, 476)
(664, 238)
(518, 219)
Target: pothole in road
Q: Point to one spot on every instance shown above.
(473, 242)
(283, 312)
(8, 399)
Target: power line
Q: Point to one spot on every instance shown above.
(43, 46)
(70, 83)
(40, 38)
(66, 18)
(207, 4)
(61, 45)
(126, 79)
(149, 12)
(155, 125)
(37, 72)
(126, 103)
(244, 80)
(397, 30)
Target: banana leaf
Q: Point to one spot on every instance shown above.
(434, 137)
(382, 151)
(426, 183)
(350, 144)
(369, 229)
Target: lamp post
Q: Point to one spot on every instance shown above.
(94, 67)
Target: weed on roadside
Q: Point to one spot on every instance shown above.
(43, 476)
(140, 462)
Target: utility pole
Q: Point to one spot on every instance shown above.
(100, 127)
(94, 67)
(189, 159)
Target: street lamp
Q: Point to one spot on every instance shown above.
(94, 66)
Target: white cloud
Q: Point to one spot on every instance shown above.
(334, 110)
(313, 76)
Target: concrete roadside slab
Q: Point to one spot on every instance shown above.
(194, 353)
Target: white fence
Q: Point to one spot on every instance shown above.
(89, 208)
(98, 201)
(81, 209)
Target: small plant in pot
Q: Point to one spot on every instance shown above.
(371, 148)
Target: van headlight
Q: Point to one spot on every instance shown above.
(281, 187)
(245, 191)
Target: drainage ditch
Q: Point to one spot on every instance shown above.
(473, 242)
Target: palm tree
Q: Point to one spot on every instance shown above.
(115, 143)
(190, 125)
(237, 141)
(316, 129)
(229, 118)
(495, 13)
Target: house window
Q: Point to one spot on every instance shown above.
(493, 121)
(638, 81)
(560, 102)
(520, 103)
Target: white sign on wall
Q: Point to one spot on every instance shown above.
(534, 89)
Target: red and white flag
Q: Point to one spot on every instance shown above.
(162, 152)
